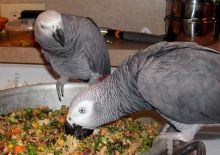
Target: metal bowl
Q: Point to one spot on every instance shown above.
(15, 99)
(190, 9)
(202, 32)
(18, 98)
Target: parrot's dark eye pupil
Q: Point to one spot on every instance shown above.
(82, 110)
(43, 27)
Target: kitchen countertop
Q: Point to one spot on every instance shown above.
(119, 50)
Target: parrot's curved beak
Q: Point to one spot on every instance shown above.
(77, 130)
(58, 35)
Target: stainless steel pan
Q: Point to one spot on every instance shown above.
(45, 94)
(36, 95)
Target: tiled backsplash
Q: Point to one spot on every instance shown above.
(130, 15)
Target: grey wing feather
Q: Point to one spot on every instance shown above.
(183, 83)
(95, 47)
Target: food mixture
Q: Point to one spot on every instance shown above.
(41, 131)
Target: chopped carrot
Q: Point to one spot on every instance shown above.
(16, 131)
(103, 131)
(61, 120)
(19, 148)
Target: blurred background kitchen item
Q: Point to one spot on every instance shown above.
(20, 32)
(191, 9)
(3, 21)
(217, 15)
(185, 20)
(3, 33)
(132, 36)
(192, 20)
(202, 32)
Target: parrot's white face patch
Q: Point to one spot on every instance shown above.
(81, 113)
(48, 21)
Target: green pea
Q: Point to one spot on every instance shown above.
(31, 149)
(32, 152)
(57, 152)
(13, 140)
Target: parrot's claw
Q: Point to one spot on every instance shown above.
(166, 138)
(163, 131)
(60, 88)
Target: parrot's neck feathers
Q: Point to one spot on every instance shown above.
(121, 89)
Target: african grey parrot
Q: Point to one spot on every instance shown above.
(179, 80)
(73, 45)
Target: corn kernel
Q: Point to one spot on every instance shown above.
(35, 124)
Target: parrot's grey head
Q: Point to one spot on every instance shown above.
(89, 110)
(48, 25)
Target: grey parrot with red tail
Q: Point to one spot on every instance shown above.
(179, 80)
(73, 45)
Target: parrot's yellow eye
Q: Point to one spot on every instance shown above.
(82, 110)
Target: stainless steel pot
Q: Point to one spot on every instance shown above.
(202, 32)
(192, 20)
(191, 9)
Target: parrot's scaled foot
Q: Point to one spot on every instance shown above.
(60, 87)
(163, 131)
(169, 142)
(165, 128)
(169, 137)
(173, 136)
(170, 147)
(186, 133)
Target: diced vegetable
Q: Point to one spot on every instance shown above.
(19, 148)
(40, 130)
